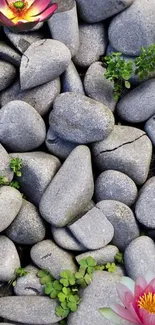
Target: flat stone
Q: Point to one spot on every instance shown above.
(123, 221)
(80, 119)
(9, 260)
(127, 150)
(149, 128)
(139, 257)
(8, 54)
(38, 169)
(93, 230)
(65, 239)
(64, 25)
(132, 107)
(10, 204)
(145, 205)
(102, 256)
(41, 97)
(57, 146)
(92, 12)
(93, 42)
(47, 255)
(28, 228)
(71, 81)
(7, 74)
(29, 284)
(133, 28)
(22, 128)
(98, 87)
(19, 309)
(43, 61)
(71, 189)
(114, 185)
(5, 169)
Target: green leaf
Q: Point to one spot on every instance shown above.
(91, 261)
(61, 297)
(48, 288)
(42, 273)
(57, 285)
(72, 306)
(127, 84)
(87, 278)
(53, 294)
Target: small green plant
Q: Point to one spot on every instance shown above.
(18, 274)
(119, 258)
(16, 166)
(14, 184)
(3, 180)
(145, 62)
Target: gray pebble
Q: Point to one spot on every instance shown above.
(7, 74)
(22, 128)
(71, 189)
(43, 61)
(10, 204)
(65, 239)
(47, 255)
(80, 119)
(127, 150)
(123, 221)
(93, 42)
(9, 260)
(29, 284)
(114, 185)
(38, 169)
(98, 87)
(139, 257)
(149, 128)
(8, 54)
(5, 169)
(102, 256)
(71, 81)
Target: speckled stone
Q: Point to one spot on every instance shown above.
(102, 256)
(71, 81)
(29, 284)
(7, 74)
(9, 54)
(9, 260)
(65, 239)
(5, 169)
(149, 128)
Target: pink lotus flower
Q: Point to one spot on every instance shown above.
(21, 13)
(138, 301)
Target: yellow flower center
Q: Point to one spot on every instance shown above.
(19, 8)
(19, 4)
(147, 302)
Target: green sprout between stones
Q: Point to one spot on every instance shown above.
(3, 180)
(20, 272)
(16, 166)
(119, 258)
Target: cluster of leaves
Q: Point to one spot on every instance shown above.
(18, 274)
(119, 70)
(119, 258)
(16, 166)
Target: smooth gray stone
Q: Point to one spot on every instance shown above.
(7, 74)
(65, 239)
(92, 12)
(22, 128)
(38, 169)
(43, 61)
(41, 97)
(132, 107)
(10, 204)
(93, 42)
(29, 284)
(9, 260)
(114, 185)
(31, 310)
(149, 128)
(139, 257)
(48, 256)
(5, 169)
(127, 150)
(10, 323)
(63, 25)
(57, 146)
(80, 119)
(22, 40)
(71, 189)
(71, 81)
(102, 256)
(145, 204)
(28, 227)
(98, 87)
(8, 54)
(133, 28)
(123, 220)
(93, 230)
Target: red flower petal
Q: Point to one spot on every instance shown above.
(38, 7)
(124, 313)
(48, 12)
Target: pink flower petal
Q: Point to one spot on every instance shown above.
(3, 4)
(6, 21)
(134, 313)
(38, 7)
(125, 294)
(147, 318)
(124, 313)
(48, 12)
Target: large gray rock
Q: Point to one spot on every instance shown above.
(9, 54)
(102, 256)
(5, 169)
(145, 205)
(38, 169)
(10, 204)
(79, 119)
(9, 260)
(64, 25)
(65, 239)
(7, 74)
(93, 230)
(29, 284)
(41, 97)
(139, 257)
(92, 12)
(132, 107)
(127, 150)
(123, 221)
(98, 87)
(47, 255)
(71, 189)
(28, 227)
(19, 309)
(93, 42)
(133, 28)
(114, 185)
(149, 128)
(71, 81)
(22, 128)
(42, 62)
